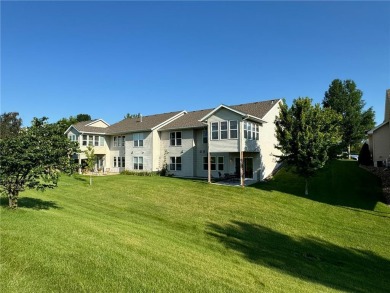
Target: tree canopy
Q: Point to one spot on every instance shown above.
(34, 159)
(66, 122)
(10, 124)
(346, 99)
(305, 134)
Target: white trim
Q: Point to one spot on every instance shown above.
(97, 120)
(169, 120)
(243, 115)
(376, 128)
(277, 103)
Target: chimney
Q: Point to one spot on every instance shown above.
(139, 119)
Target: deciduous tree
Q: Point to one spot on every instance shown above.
(91, 158)
(10, 124)
(305, 133)
(34, 159)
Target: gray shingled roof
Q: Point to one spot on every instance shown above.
(188, 120)
(81, 127)
(191, 119)
(135, 125)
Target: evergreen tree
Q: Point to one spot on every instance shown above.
(305, 133)
(346, 99)
(365, 156)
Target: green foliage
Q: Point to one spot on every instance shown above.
(91, 159)
(139, 173)
(83, 117)
(66, 122)
(365, 156)
(10, 124)
(346, 99)
(34, 159)
(305, 134)
(128, 115)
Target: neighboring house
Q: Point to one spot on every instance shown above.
(379, 138)
(236, 140)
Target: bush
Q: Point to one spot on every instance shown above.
(139, 173)
(365, 156)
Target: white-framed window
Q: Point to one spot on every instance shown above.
(224, 130)
(101, 140)
(175, 138)
(72, 137)
(119, 162)
(123, 162)
(138, 163)
(251, 130)
(233, 127)
(204, 135)
(175, 164)
(212, 164)
(90, 140)
(214, 130)
(114, 162)
(85, 139)
(96, 140)
(119, 141)
(138, 139)
(220, 163)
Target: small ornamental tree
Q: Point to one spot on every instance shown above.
(91, 158)
(34, 159)
(305, 134)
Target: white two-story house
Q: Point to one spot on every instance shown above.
(236, 141)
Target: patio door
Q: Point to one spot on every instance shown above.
(248, 167)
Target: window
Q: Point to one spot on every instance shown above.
(85, 139)
(175, 164)
(114, 162)
(90, 140)
(138, 139)
(138, 163)
(220, 163)
(175, 138)
(251, 130)
(205, 163)
(119, 141)
(233, 129)
(205, 136)
(96, 142)
(72, 137)
(224, 130)
(101, 140)
(214, 130)
(119, 162)
(123, 162)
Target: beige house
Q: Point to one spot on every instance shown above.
(227, 141)
(379, 138)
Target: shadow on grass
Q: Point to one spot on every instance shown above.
(309, 259)
(340, 183)
(31, 203)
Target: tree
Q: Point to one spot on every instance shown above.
(128, 115)
(10, 124)
(83, 117)
(91, 158)
(34, 159)
(365, 156)
(305, 134)
(346, 99)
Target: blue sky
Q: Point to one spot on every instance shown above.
(107, 59)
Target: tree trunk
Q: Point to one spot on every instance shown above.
(13, 200)
(349, 152)
(306, 187)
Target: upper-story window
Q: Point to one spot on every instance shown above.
(138, 139)
(175, 138)
(251, 130)
(119, 141)
(93, 140)
(204, 136)
(214, 130)
(224, 130)
(233, 125)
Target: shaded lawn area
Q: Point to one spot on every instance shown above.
(154, 234)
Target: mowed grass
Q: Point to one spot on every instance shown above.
(154, 234)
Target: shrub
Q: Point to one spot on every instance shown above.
(139, 173)
(365, 156)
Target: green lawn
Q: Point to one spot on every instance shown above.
(154, 234)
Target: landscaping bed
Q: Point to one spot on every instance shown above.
(384, 174)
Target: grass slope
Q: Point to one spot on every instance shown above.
(152, 234)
